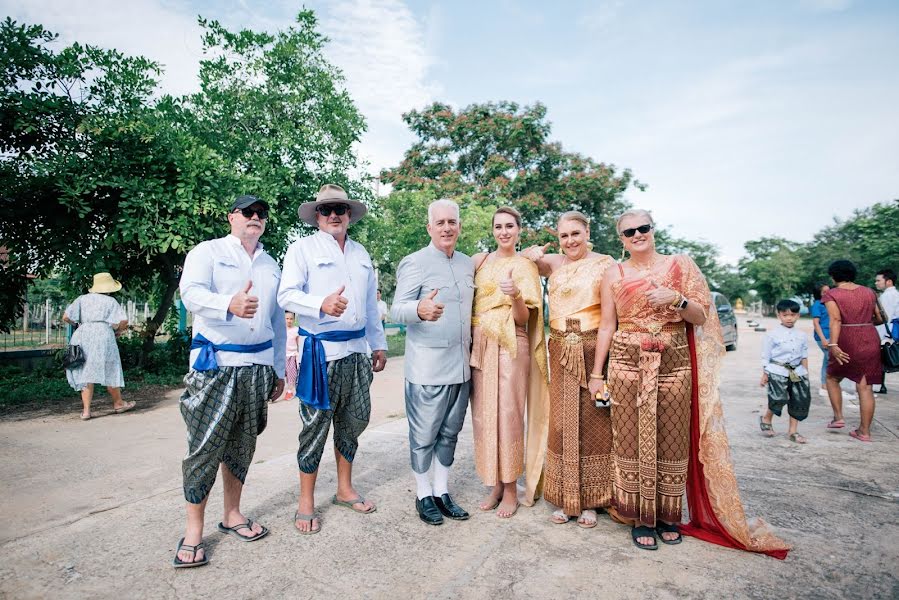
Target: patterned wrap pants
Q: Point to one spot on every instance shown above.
(224, 411)
(650, 381)
(349, 379)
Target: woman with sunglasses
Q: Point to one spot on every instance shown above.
(508, 369)
(578, 456)
(667, 421)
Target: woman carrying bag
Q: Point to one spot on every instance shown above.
(99, 318)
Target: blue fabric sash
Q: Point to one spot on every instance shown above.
(312, 383)
(206, 358)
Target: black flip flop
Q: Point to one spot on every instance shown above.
(240, 536)
(180, 564)
(666, 528)
(644, 531)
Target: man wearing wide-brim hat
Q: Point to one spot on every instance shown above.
(329, 282)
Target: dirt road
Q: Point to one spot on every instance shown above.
(94, 509)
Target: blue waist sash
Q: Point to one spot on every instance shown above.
(312, 382)
(206, 358)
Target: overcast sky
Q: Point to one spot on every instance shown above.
(746, 119)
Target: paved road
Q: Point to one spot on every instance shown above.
(94, 509)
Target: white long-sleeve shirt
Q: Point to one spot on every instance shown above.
(889, 300)
(315, 267)
(214, 271)
(786, 345)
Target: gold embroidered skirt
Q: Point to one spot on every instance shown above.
(498, 398)
(578, 468)
(650, 382)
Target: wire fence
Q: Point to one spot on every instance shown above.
(42, 327)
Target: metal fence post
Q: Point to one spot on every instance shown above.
(182, 317)
(47, 318)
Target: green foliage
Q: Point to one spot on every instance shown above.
(500, 153)
(100, 174)
(774, 266)
(870, 239)
(398, 228)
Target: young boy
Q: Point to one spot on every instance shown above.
(785, 371)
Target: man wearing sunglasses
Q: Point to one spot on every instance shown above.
(236, 365)
(329, 282)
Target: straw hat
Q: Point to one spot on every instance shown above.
(330, 194)
(104, 284)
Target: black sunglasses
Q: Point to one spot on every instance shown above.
(327, 209)
(250, 211)
(629, 233)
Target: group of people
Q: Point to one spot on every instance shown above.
(618, 410)
(850, 324)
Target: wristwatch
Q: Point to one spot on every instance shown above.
(683, 303)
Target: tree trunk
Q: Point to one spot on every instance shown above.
(171, 278)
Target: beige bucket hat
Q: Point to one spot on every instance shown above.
(104, 284)
(330, 194)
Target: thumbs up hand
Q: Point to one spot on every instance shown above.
(243, 304)
(660, 297)
(335, 304)
(428, 308)
(535, 253)
(508, 287)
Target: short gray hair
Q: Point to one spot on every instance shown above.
(441, 203)
(634, 212)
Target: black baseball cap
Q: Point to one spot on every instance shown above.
(245, 201)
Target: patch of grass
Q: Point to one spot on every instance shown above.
(396, 345)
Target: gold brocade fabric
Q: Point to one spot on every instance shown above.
(574, 290)
(578, 456)
(574, 293)
(714, 451)
(497, 333)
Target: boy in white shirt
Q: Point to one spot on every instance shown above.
(785, 371)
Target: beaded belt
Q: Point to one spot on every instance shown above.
(856, 324)
(572, 338)
(654, 328)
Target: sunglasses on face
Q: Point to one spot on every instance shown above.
(629, 233)
(250, 211)
(337, 209)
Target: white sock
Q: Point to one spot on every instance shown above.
(424, 485)
(441, 479)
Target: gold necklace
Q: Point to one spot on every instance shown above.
(646, 268)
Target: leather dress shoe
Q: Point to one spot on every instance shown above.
(450, 509)
(428, 511)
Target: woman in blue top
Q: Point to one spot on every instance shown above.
(821, 324)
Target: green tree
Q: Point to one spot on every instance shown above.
(869, 239)
(773, 267)
(398, 228)
(501, 153)
(128, 182)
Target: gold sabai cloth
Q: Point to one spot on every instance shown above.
(493, 314)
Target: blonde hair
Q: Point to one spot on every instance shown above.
(507, 210)
(633, 212)
(574, 215)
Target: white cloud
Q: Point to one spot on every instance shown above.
(384, 53)
(137, 27)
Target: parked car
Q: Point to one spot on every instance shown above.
(728, 320)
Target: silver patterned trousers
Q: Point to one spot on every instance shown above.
(436, 414)
(224, 411)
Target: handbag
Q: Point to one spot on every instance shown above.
(889, 348)
(73, 357)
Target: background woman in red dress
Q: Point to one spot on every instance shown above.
(854, 345)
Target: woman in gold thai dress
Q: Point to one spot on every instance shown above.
(578, 469)
(664, 348)
(508, 360)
